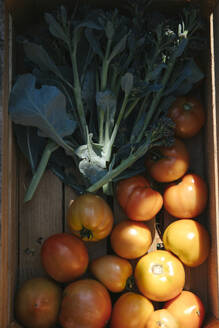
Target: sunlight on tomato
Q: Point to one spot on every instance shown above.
(188, 198)
(90, 217)
(188, 309)
(160, 276)
(131, 310)
(162, 319)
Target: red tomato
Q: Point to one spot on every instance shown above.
(188, 115)
(160, 276)
(112, 271)
(162, 319)
(186, 199)
(139, 201)
(64, 257)
(131, 310)
(131, 239)
(86, 303)
(90, 217)
(37, 303)
(188, 309)
(166, 164)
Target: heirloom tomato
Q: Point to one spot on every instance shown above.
(86, 303)
(113, 271)
(188, 310)
(139, 201)
(160, 276)
(131, 310)
(162, 318)
(90, 217)
(131, 239)
(188, 240)
(188, 115)
(188, 198)
(37, 303)
(167, 164)
(64, 257)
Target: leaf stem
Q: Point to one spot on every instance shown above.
(48, 150)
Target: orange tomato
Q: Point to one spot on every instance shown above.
(131, 239)
(162, 318)
(86, 303)
(160, 276)
(166, 164)
(139, 201)
(188, 309)
(131, 310)
(64, 257)
(112, 271)
(90, 217)
(188, 240)
(186, 199)
(188, 115)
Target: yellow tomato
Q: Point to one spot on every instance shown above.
(188, 240)
(160, 276)
(162, 319)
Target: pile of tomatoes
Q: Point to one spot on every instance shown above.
(132, 286)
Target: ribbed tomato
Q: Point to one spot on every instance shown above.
(162, 319)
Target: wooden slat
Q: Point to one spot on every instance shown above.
(8, 267)
(38, 219)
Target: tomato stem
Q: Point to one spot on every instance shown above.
(130, 284)
(187, 106)
(86, 233)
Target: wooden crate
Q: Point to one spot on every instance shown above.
(25, 226)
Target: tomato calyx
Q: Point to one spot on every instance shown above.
(130, 284)
(156, 155)
(86, 233)
(187, 106)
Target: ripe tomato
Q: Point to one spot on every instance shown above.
(37, 303)
(166, 164)
(131, 239)
(186, 199)
(188, 115)
(160, 276)
(188, 240)
(112, 271)
(161, 318)
(188, 310)
(131, 310)
(86, 303)
(64, 257)
(139, 201)
(90, 217)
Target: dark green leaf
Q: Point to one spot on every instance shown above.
(182, 46)
(109, 30)
(56, 29)
(127, 82)
(120, 47)
(91, 171)
(44, 108)
(94, 43)
(106, 100)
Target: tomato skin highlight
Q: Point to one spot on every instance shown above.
(188, 115)
(90, 217)
(160, 276)
(188, 240)
(131, 239)
(139, 201)
(112, 271)
(86, 303)
(188, 309)
(64, 257)
(186, 199)
(170, 163)
(131, 310)
(161, 318)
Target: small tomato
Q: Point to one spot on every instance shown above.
(130, 239)
(131, 310)
(188, 198)
(188, 115)
(162, 318)
(64, 257)
(188, 240)
(160, 276)
(139, 201)
(112, 271)
(167, 164)
(90, 217)
(188, 310)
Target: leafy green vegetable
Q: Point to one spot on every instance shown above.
(104, 95)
